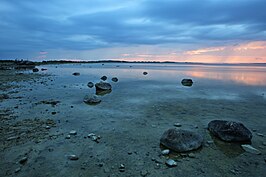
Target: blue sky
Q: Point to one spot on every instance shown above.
(174, 30)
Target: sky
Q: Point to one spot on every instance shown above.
(213, 31)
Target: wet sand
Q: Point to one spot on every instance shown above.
(42, 109)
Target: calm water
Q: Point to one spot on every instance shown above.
(211, 82)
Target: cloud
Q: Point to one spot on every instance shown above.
(29, 26)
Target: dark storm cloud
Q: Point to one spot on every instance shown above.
(79, 25)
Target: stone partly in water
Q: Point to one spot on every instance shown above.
(187, 82)
(229, 131)
(104, 78)
(90, 84)
(92, 99)
(76, 74)
(145, 73)
(72, 157)
(35, 69)
(114, 79)
(103, 88)
(181, 140)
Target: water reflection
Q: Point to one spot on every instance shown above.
(248, 76)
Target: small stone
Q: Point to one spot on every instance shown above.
(68, 137)
(144, 173)
(260, 134)
(47, 127)
(17, 170)
(100, 164)
(165, 152)
(76, 74)
(114, 79)
(53, 113)
(145, 73)
(177, 124)
(23, 160)
(250, 149)
(13, 138)
(73, 132)
(157, 166)
(187, 82)
(103, 78)
(73, 157)
(122, 168)
(90, 84)
(91, 134)
(171, 163)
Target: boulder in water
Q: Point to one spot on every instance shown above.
(181, 140)
(187, 82)
(229, 131)
(35, 69)
(103, 86)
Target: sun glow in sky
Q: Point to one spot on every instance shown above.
(215, 31)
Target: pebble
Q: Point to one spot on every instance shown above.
(250, 149)
(12, 138)
(73, 157)
(91, 134)
(47, 127)
(72, 132)
(68, 137)
(23, 160)
(260, 134)
(177, 124)
(165, 152)
(171, 163)
(122, 168)
(17, 170)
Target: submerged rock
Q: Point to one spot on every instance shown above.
(91, 99)
(76, 74)
(104, 78)
(229, 131)
(181, 140)
(90, 84)
(187, 82)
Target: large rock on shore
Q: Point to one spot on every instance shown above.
(229, 131)
(181, 140)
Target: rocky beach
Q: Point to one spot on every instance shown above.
(108, 120)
